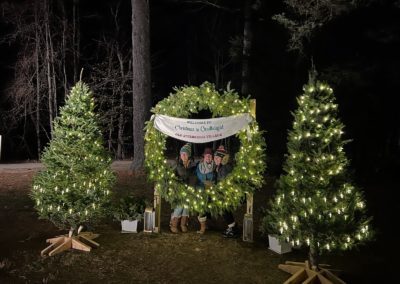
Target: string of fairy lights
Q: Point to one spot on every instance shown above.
(247, 173)
(315, 204)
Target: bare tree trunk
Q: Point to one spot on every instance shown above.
(41, 64)
(247, 41)
(54, 86)
(121, 117)
(63, 50)
(75, 38)
(110, 131)
(53, 74)
(48, 66)
(217, 68)
(313, 257)
(141, 77)
(37, 44)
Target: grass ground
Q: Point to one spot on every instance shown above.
(165, 257)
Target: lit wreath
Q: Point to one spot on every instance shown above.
(247, 173)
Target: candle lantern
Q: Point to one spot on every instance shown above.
(149, 220)
(248, 228)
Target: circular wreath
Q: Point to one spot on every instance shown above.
(247, 173)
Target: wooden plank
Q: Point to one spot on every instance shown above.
(311, 280)
(79, 245)
(302, 264)
(252, 106)
(56, 239)
(89, 235)
(157, 207)
(66, 245)
(312, 277)
(292, 269)
(323, 280)
(332, 277)
(55, 242)
(297, 278)
(249, 196)
(248, 217)
(249, 201)
(88, 241)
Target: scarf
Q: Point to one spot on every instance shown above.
(206, 168)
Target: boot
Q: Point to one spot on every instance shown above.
(174, 225)
(184, 222)
(231, 232)
(203, 225)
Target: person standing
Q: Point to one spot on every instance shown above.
(205, 173)
(222, 169)
(184, 169)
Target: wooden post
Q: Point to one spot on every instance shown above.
(157, 208)
(249, 200)
(248, 217)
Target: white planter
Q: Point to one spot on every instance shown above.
(129, 226)
(278, 246)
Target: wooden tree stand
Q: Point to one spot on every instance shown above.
(302, 273)
(82, 241)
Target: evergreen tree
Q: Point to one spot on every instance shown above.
(316, 204)
(74, 187)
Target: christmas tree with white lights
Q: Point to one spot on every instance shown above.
(316, 205)
(75, 185)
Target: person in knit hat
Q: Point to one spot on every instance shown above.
(187, 148)
(222, 169)
(221, 155)
(184, 169)
(205, 169)
(205, 173)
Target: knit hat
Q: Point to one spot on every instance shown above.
(187, 148)
(220, 152)
(207, 151)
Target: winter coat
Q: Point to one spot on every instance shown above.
(222, 171)
(202, 178)
(186, 174)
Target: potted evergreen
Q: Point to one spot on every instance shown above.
(129, 210)
(275, 244)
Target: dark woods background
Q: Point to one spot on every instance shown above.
(191, 42)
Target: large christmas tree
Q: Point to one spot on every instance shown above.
(316, 204)
(75, 184)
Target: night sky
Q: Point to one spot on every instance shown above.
(355, 53)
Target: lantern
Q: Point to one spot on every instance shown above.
(248, 228)
(149, 220)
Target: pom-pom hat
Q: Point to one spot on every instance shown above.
(207, 151)
(186, 149)
(220, 152)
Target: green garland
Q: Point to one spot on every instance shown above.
(247, 174)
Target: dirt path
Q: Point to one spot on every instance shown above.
(28, 167)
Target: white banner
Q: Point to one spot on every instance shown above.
(201, 130)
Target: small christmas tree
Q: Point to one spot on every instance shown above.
(76, 182)
(316, 205)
